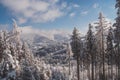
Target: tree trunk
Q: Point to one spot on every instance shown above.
(109, 68)
(78, 72)
(69, 66)
(92, 68)
(88, 72)
(118, 63)
(103, 64)
(112, 67)
(96, 71)
(112, 71)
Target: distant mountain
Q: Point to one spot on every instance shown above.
(43, 36)
(45, 42)
(41, 39)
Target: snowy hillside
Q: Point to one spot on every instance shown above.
(43, 42)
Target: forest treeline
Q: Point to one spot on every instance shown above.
(99, 53)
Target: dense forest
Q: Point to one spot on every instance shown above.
(94, 56)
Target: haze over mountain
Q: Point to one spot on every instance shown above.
(28, 33)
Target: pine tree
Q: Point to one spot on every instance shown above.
(26, 54)
(110, 50)
(75, 45)
(27, 64)
(1, 45)
(117, 34)
(8, 64)
(100, 39)
(15, 34)
(90, 42)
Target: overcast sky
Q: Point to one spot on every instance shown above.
(55, 14)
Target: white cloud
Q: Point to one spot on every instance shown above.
(95, 5)
(35, 10)
(22, 20)
(50, 15)
(64, 5)
(72, 14)
(84, 12)
(76, 5)
(72, 6)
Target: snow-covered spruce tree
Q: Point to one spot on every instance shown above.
(90, 42)
(27, 64)
(27, 55)
(1, 45)
(101, 28)
(8, 65)
(110, 55)
(75, 45)
(86, 60)
(17, 41)
(17, 62)
(32, 68)
(117, 35)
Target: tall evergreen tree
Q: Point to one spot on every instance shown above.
(90, 42)
(100, 36)
(75, 45)
(117, 34)
(110, 51)
(1, 45)
(8, 64)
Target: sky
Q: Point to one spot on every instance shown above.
(54, 14)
